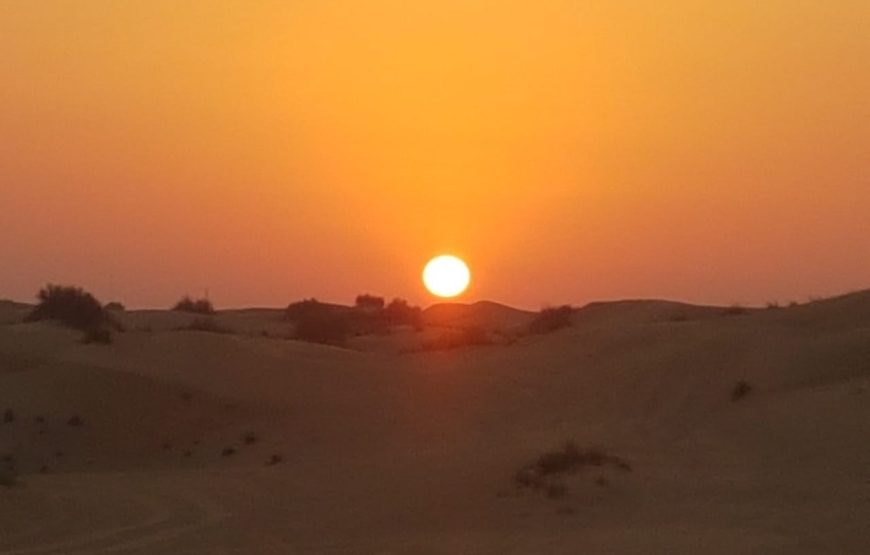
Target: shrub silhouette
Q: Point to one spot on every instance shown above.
(301, 309)
(72, 306)
(116, 306)
(369, 303)
(551, 319)
(323, 327)
(197, 306)
(400, 313)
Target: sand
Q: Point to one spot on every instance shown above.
(386, 451)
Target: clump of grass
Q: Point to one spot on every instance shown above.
(542, 473)
(741, 390)
(75, 308)
(8, 416)
(197, 306)
(250, 438)
(228, 452)
(551, 319)
(75, 421)
(276, 458)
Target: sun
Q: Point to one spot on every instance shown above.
(446, 276)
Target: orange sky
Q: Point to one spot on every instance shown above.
(569, 150)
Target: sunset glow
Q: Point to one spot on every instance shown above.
(705, 151)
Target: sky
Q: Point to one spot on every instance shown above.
(569, 151)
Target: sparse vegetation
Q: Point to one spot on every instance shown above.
(76, 308)
(740, 391)
(773, 305)
(457, 338)
(250, 438)
(551, 319)
(276, 458)
(369, 303)
(197, 306)
(540, 475)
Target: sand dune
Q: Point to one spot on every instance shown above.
(415, 453)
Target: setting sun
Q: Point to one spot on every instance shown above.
(446, 276)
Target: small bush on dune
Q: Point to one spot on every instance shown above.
(116, 306)
(400, 313)
(551, 319)
(326, 328)
(567, 460)
(72, 306)
(197, 306)
(302, 309)
(369, 303)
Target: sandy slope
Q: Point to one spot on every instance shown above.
(415, 453)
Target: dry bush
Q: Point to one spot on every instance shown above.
(197, 306)
(551, 319)
(540, 474)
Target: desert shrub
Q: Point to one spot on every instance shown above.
(400, 313)
(741, 390)
(369, 303)
(276, 458)
(250, 438)
(551, 319)
(567, 460)
(305, 308)
(197, 306)
(734, 310)
(773, 305)
(457, 338)
(207, 325)
(72, 306)
(323, 327)
(116, 306)
(228, 452)
(99, 335)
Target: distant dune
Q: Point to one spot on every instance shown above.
(744, 432)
